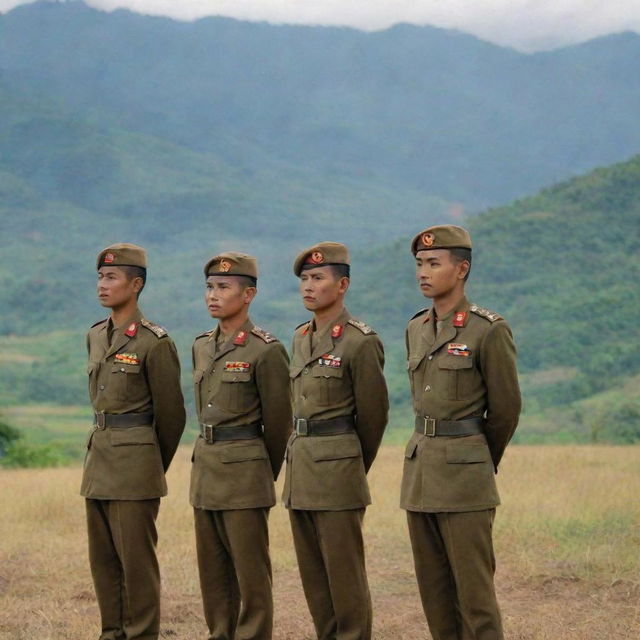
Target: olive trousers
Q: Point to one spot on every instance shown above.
(124, 567)
(455, 564)
(235, 573)
(330, 553)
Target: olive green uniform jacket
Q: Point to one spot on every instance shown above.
(245, 382)
(341, 376)
(138, 373)
(469, 370)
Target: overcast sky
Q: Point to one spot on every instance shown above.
(524, 24)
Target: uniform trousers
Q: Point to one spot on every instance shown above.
(455, 564)
(124, 567)
(330, 552)
(235, 573)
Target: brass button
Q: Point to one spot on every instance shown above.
(101, 387)
(430, 358)
(427, 388)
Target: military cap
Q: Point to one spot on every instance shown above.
(322, 254)
(122, 254)
(444, 236)
(232, 263)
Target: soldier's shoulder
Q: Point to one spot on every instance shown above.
(204, 334)
(99, 323)
(155, 329)
(487, 314)
(363, 328)
(265, 336)
(419, 314)
(302, 328)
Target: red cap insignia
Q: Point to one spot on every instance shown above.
(427, 239)
(241, 338)
(315, 258)
(336, 332)
(225, 265)
(132, 330)
(108, 258)
(458, 318)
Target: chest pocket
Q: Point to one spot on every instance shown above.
(237, 393)
(329, 385)
(458, 372)
(126, 381)
(414, 372)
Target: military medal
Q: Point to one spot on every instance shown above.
(127, 358)
(457, 349)
(237, 366)
(329, 360)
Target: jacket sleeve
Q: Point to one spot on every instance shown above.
(163, 376)
(272, 381)
(371, 397)
(498, 362)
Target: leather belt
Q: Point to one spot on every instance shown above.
(103, 420)
(434, 427)
(243, 432)
(330, 427)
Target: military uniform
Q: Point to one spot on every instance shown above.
(340, 407)
(134, 386)
(244, 409)
(464, 385)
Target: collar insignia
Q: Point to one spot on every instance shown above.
(459, 318)
(132, 330)
(241, 338)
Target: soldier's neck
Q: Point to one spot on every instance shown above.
(446, 304)
(229, 326)
(120, 315)
(322, 317)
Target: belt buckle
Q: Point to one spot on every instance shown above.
(101, 422)
(208, 432)
(429, 427)
(302, 427)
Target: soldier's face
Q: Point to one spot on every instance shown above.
(438, 275)
(225, 297)
(320, 288)
(115, 289)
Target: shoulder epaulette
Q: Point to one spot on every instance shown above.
(154, 328)
(304, 324)
(491, 316)
(420, 313)
(264, 335)
(365, 328)
(205, 334)
(99, 322)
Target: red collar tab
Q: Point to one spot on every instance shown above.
(132, 330)
(241, 338)
(459, 318)
(337, 330)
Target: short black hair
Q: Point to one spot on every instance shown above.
(340, 271)
(247, 281)
(135, 272)
(460, 254)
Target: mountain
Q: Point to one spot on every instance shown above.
(435, 111)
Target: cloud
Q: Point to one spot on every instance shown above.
(523, 24)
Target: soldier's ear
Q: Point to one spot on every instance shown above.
(249, 294)
(343, 284)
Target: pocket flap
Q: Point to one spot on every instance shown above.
(467, 453)
(132, 435)
(455, 362)
(243, 453)
(197, 375)
(323, 371)
(123, 367)
(413, 363)
(294, 372)
(91, 368)
(236, 376)
(334, 449)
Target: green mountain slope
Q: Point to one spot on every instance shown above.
(427, 109)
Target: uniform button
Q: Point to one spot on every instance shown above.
(122, 369)
(209, 405)
(101, 387)
(305, 371)
(303, 396)
(427, 388)
(430, 358)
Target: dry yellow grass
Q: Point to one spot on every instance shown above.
(567, 538)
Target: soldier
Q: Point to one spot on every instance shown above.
(462, 368)
(340, 407)
(134, 386)
(241, 376)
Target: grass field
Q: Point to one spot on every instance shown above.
(567, 543)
